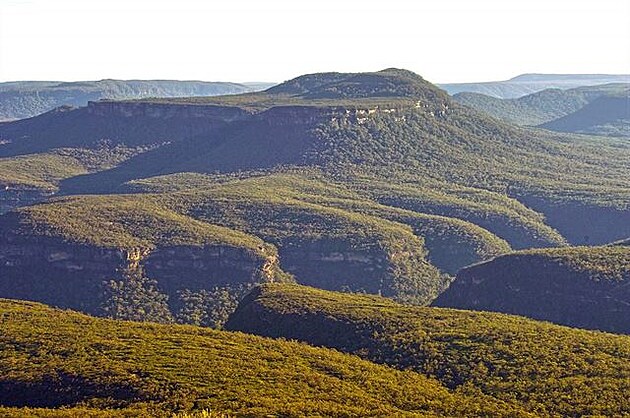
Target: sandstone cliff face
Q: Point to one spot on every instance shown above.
(71, 275)
(336, 266)
(276, 115)
(197, 268)
(166, 111)
(543, 288)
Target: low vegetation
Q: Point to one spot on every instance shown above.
(46, 170)
(58, 363)
(122, 222)
(547, 369)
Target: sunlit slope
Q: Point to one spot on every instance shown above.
(59, 359)
(548, 369)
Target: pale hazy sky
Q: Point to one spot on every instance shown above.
(249, 40)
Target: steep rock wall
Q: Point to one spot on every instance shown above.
(543, 288)
(166, 110)
(71, 275)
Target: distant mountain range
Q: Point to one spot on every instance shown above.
(525, 84)
(23, 99)
(596, 110)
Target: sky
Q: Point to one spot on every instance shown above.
(258, 40)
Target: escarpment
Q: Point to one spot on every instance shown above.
(131, 109)
(78, 275)
(586, 287)
(334, 264)
(373, 183)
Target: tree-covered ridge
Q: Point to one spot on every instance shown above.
(550, 370)
(121, 222)
(46, 170)
(583, 287)
(502, 215)
(452, 242)
(323, 245)
(610, 263)
(543, 106)
(595, 110)
(606, 115)
(129, 258)
(55, 359)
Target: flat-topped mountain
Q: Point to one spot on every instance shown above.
(391, 82)
(412, 132)
(25, 99)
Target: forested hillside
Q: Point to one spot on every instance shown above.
(594, 110)
(62, 364)
(547, 369)
(585, 287)
(368, 182)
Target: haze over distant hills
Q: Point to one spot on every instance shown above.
(525, 84)
(23, 99)
(597, 110)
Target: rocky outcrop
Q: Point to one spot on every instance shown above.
(130, 109)
(276, 115)
(197, 268)
(336, 266)
(71, 275)
(400, 273)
